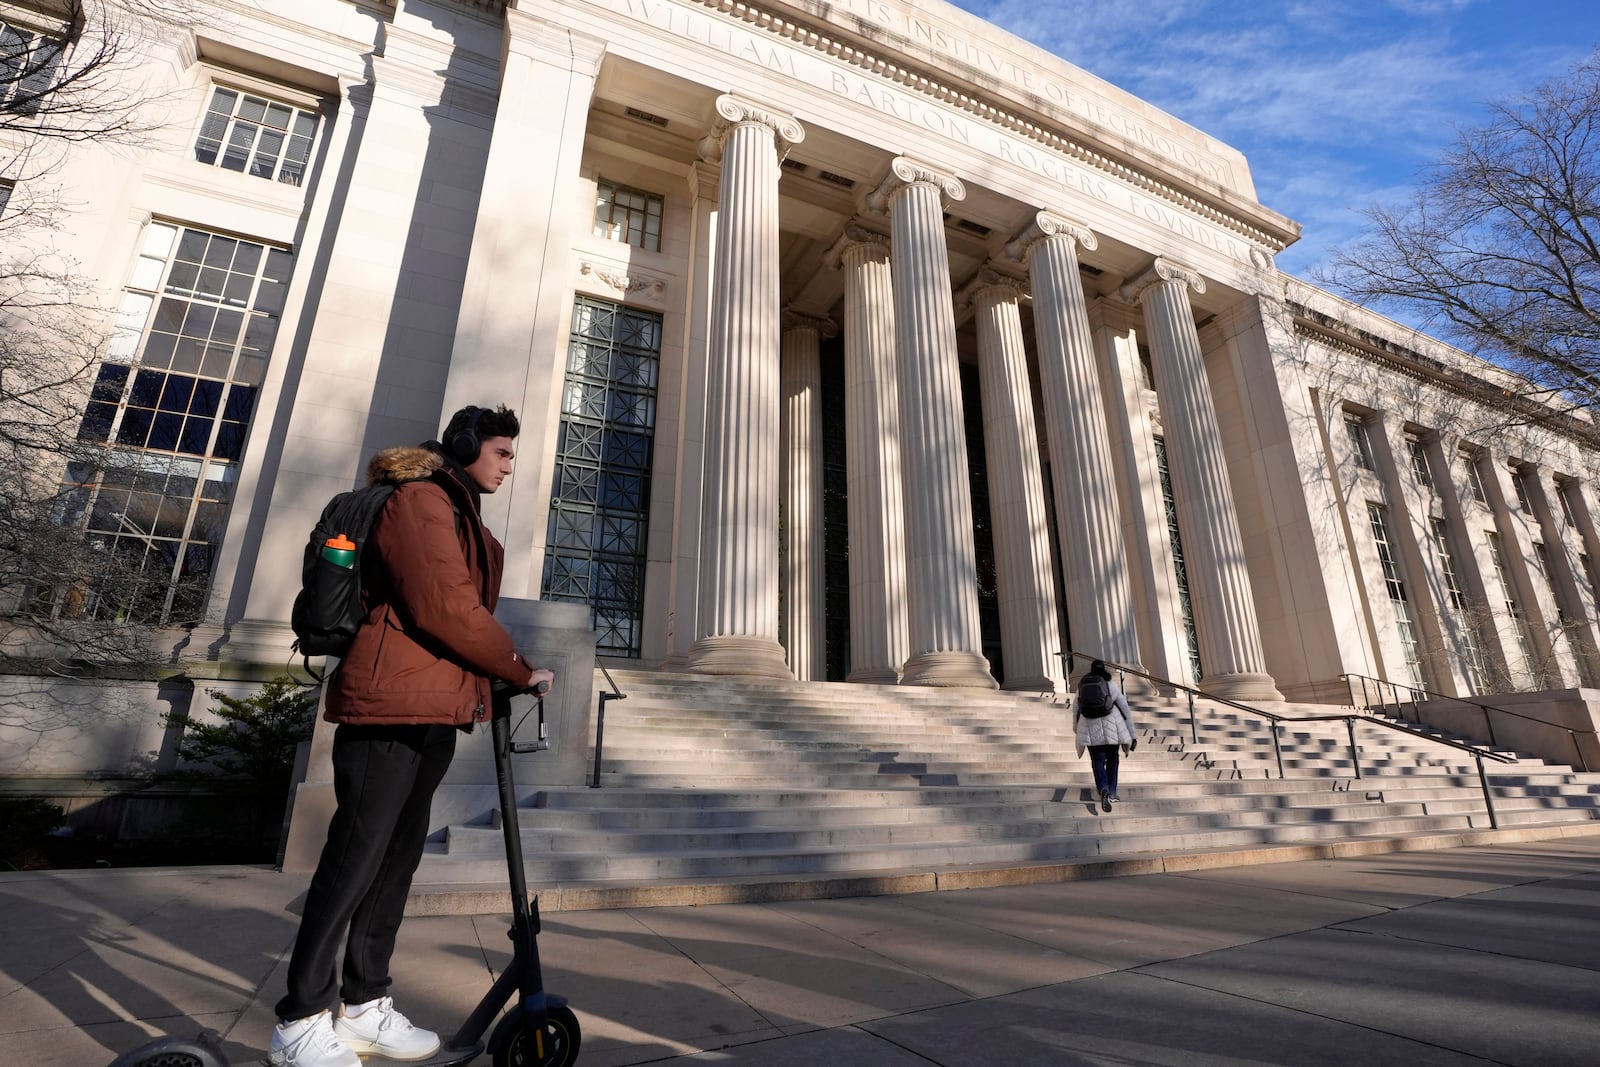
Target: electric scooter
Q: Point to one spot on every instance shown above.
(539, 1030)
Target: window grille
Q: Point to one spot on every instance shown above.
(251, 134)
(170, 407)
(1519, 482)
(28, 65)
(1467, 626)
(630, 215)
(1474, 478)
(600, 504)
(1417, 449)
(1396, 587)
(5, 195)
(1497, 557)
(1180, 570)
(1360, 444)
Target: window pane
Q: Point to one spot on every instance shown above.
(238, 151)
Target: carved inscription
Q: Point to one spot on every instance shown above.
(738, 43)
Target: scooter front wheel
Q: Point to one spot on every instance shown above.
(561, 1040)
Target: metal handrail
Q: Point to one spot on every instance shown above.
(1488, 723)
(1479, 754)
(616, 693)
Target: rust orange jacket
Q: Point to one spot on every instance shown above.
(429, 645)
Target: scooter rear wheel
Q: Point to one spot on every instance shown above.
(561, 1040)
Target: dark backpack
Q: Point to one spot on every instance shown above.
(1094, 697)
(327, 612)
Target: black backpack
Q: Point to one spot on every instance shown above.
(327, 612)
(1094, 697)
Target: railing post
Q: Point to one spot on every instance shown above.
(599, 738)
(1416, 707)
(1355, 753)
(1583, 760)
(1366, 701)
(1193, 733)
(1277, 748)
(1488, 797)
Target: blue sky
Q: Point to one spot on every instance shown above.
(1335, 103)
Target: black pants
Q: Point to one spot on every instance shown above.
(1103, 760)
(384, 778)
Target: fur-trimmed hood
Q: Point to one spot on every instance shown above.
(406, 463)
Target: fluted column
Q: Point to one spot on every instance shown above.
(1030, 632)
(737, 628)
(876, 514)
(1095, 560)
(804, 604)
(941, 564)
(1219, 583)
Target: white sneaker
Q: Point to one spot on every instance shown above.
(309, 1042)
(376, 1027)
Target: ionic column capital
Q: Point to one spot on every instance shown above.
(856, 234)
(1162, 270)
(733, 112)
(991, 286)
(1049, 224)
(906, 171)
(801, 320)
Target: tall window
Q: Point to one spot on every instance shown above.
(1497, 556)
(1360, 444)
(28, 63)
(1417, 450)
(1474, 477)
(601, 491)
(5, 195)
(630, 215)
(254, 135)
(1396, 587)
(1181, 572)
(1519, 482)
(1459, 607)
(171, 404)
(1564, 491)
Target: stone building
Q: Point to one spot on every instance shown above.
(854, 341)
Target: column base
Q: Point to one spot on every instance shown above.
(753, 657)
(874, 676)
(1035, 684)
(961, 670)
(1245, 687)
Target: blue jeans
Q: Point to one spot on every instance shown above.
(1104, 760)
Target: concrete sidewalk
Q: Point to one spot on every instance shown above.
(1471, 955)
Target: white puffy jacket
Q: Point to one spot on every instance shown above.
(1115, 728)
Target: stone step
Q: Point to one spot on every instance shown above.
(717, 780)
(1078, 818)
(551, 869)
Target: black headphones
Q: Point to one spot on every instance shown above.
(464, 443)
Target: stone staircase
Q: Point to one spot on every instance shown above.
(722, 789)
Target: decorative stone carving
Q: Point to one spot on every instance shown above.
(1049, 224)
(906, 171)
(623, 283)
(734, 111)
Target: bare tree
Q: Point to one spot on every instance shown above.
(1500, 249)
(62, 85)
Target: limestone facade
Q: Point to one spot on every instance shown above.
(653, 226)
